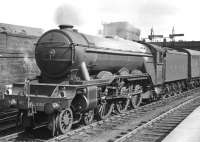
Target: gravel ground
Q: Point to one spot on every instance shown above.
(113, 132)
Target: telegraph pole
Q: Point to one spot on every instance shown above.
(152, 36)
(173, 35)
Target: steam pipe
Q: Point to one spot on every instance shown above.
(85, 72)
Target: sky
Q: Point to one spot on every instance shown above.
(88, 15)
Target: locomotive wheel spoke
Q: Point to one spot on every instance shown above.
(104, 110)
(88, 117)
(122, 105)
(65, 120)
(136, 100)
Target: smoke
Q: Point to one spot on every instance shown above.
(67, 14)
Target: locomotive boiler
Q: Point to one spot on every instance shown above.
(84, 76)
(61, 52)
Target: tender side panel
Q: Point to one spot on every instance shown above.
(195, 66)
(176, 66)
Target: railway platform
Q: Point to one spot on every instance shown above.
(188, 130)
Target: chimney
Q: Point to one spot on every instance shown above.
(66, 26)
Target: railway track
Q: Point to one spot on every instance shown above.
(7, 120)
(7, 115)
(116, 126)
(156, 129)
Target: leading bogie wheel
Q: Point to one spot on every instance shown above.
(65, 120)
(88, 117)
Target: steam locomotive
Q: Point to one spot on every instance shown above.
(84, 76)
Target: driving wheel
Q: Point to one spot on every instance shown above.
(137, 98)
(122, 105)
(104, 110)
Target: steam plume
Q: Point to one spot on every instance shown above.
(66, 14)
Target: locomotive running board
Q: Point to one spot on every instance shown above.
(117, 51)
(95, 82)
(138, 78)
(134, 77)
